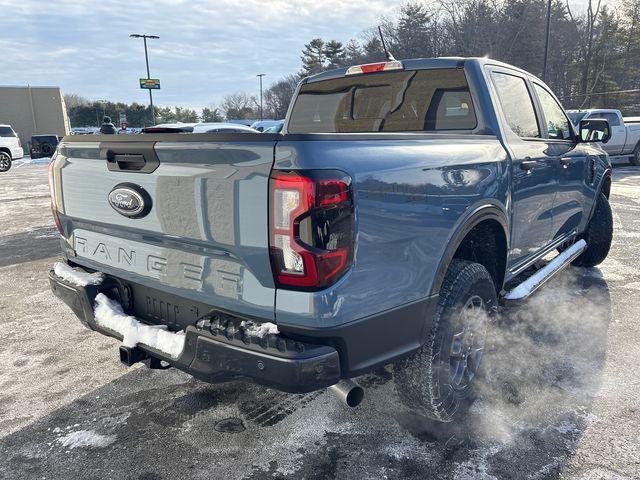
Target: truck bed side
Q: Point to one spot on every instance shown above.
(410, 197)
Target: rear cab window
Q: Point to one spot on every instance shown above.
(406, 101)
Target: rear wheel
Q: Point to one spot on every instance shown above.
(598, 235)
(5, 161)
(47, 149)
(438, 380)
(635, 158)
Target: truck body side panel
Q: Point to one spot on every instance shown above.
(409, 196)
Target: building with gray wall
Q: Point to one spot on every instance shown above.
(33, 111)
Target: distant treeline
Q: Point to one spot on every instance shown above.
(594, 51)
(593, 56)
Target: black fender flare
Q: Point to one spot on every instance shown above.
(606, 176)
(489, 211)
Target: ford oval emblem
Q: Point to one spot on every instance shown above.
(130, 200)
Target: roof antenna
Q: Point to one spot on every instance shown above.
(384, 45)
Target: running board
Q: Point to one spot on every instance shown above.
(535, 281)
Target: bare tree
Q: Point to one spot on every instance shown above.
(239, 105)
(586, 26)
(72, 100)
(278, 96)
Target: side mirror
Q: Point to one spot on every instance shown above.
(595, 130)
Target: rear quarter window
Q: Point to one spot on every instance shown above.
(407, 101)
(7, 132)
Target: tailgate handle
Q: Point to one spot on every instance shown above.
(127, 157)
(126, 161)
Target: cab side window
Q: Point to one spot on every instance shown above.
(612, 118)
(516, 105)
(557, 122)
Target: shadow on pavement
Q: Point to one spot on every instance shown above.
(29, 246)
(541, 377)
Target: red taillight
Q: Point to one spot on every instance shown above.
(52, 193)
(375, 67)
(311, 227)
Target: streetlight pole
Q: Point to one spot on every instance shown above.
(146, 58)
(546, 42)
(261, 75)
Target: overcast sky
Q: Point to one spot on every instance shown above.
(207, 48)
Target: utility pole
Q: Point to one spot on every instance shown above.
(546, 42)
(146, 58)
(261, 75)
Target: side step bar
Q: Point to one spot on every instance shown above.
(535, 281)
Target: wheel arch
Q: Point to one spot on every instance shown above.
(491, 217)
(6, 150)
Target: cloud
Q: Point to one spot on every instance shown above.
(206, 49)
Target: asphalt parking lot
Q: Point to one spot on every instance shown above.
(561, 398)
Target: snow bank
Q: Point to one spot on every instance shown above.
(86, 438)
(259, 329)
(109, 314)
(529, 285)
(77, 277)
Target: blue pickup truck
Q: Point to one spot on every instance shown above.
(398, 208)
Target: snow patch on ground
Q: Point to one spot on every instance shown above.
(259, 330)
(86, 438)
(77, 277)
(109, 314)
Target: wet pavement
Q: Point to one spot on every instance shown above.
(560, 396)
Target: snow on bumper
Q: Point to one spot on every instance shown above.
(215, 350)
(77, 277)
(109, 314)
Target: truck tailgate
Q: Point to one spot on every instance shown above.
(203, 232)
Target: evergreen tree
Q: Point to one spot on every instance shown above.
(334, 53)
(313, 57)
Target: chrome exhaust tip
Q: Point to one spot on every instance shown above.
(349, 392)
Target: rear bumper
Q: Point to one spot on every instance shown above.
(297, 360)
(275, 361)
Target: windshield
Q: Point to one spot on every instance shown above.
(575, 117)
(406, 101)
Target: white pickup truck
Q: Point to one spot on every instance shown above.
(625, 132)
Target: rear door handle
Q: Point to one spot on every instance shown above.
(565, 161)
(528, 164)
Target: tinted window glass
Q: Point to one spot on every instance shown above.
(38, 139)
(612, 118)
(6, 132)
(557, 122)
(516, 105)
(575, 117)
(407, 101)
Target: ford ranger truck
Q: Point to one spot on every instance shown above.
(401, 203)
